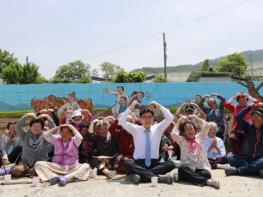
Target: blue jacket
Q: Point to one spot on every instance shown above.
(254, 136)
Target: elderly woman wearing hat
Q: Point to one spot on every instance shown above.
(65, 166)
(252, 162)
(215, 111)
(78, 117)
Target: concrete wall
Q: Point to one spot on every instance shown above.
(17, 97)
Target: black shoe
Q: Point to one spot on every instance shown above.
(230, 171)
(134, 178)
(165, 179)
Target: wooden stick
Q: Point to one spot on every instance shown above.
(16, 182)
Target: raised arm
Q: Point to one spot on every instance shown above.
(202, 106)
(89, 115)
(168, 116)
(78, 137)
(254, 100)
(240, 118)
(222, 101)
(178, 111)
(51, 123)
(109, 91)
(203, 124)
(131, 128)
(48, 135)
(202, 114)
(229, 104)
(176, 133)
(21, 132)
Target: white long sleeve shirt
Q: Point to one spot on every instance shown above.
(138, 133)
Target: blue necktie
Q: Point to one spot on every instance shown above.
(148, 148)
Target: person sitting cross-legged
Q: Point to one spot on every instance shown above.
(252, 162)
(194, 166)
(65, 166)
(104, 148)
(147, 141)
(34, 146)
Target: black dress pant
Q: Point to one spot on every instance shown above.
(197, 177)
(146, 173)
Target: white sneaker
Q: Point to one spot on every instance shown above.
(213, 183)
(222, 166)
(93, 173)
(111, 174)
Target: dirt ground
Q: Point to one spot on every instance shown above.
(119, 187)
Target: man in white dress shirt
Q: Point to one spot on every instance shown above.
(147, 142)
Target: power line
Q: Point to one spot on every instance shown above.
(169, 29)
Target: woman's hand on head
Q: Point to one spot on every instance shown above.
(44, 116)
(154, 105)
(30, 115)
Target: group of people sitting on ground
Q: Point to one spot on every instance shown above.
(79, 146)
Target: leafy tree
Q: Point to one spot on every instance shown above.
(206, 65)
(41, 79)
(159, 78)
(16, 73)
(121, 77)
(75, 72)
(29, 73)
(136, 76)
(129, 77)
(11, 73)
(109, 70)
(6, 58)
(234, 63)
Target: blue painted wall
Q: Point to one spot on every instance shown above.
(16, 97)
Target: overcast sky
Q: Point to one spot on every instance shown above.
(55, 32)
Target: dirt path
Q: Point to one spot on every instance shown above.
(230, 187)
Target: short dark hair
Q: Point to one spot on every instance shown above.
(133, 93)
(121, 87)
(37, 120)
(242, 95)
(141, 92)
(144, 111)
(9, 124)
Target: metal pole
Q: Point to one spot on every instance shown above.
(164, 56)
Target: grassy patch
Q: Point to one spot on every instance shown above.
(14, 114)
(17, 114)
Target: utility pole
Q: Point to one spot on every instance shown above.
(164, 56)
(251, 67)
(27, 60)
